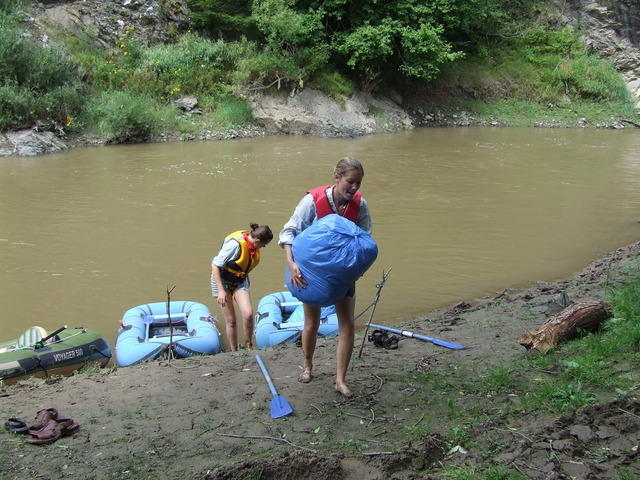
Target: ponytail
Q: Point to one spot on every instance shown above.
(261, 232)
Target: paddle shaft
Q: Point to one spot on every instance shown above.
(404, 333)
(40, 343)
(375, 303)
(266, 375)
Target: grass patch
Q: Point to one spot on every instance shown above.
(230, 111)
(333, 84)
(122, 117)
(472, 473)
(528, 113)
(89, 368)
(598, 366)
(541, 76)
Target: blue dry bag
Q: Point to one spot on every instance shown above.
(331, 254)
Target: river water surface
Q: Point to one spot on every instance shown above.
(458, 213)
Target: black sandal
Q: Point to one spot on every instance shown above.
(378, 337)
(15, 425)
(391, 343)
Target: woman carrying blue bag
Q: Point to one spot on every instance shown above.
(344, 199)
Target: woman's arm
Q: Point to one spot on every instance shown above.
(217, 277)
(230, 251)
(364, 217)
(303, 216)
(296, 275)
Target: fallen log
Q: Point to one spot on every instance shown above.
(630, 122)
(566, 325)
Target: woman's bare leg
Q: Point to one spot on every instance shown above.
(309, 338)
(229, 315)
(345, 310)
(243, 299)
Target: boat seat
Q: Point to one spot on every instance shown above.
(31, 336)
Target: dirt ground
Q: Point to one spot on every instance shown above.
(208, 417)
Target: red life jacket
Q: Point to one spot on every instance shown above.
(323, 207)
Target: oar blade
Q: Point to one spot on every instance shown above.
(442, 343)
(280, 407)
(435, 341)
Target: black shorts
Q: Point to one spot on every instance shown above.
(352, 291)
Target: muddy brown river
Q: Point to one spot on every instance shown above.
(458, 213)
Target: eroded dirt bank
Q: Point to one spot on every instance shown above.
(209, 417)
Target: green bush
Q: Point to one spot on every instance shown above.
(625, 300)
(193, 65)
(231, 111)
(15, 107)
(31, 64)
(333, 83)
(21, 108)
(544, 41)
(589, 77)
(266, 68)
(38, 83)
(122, 117)
(228, 18)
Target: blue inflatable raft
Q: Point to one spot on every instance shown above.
(147, 331)
(280, 319)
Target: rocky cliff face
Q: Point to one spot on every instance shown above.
(103, 22)
(611, 28)
(310, 112)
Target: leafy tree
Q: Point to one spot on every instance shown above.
(377, 39)
(229, 19)
(294, 42)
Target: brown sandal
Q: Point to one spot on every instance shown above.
(42, 418)
(52, 431)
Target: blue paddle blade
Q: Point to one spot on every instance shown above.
(279, 407)
(424, 338)
(442, 343)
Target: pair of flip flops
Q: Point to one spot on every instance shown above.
(45, 429)
(382, 339)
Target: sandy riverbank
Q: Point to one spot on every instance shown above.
(208, 417)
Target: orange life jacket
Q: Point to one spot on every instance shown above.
(249, 257)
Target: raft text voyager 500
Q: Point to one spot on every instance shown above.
(36, 353)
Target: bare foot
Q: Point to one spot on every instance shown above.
(305, 376)
(343, 390)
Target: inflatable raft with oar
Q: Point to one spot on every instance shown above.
(39, 354)
(184, 329)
